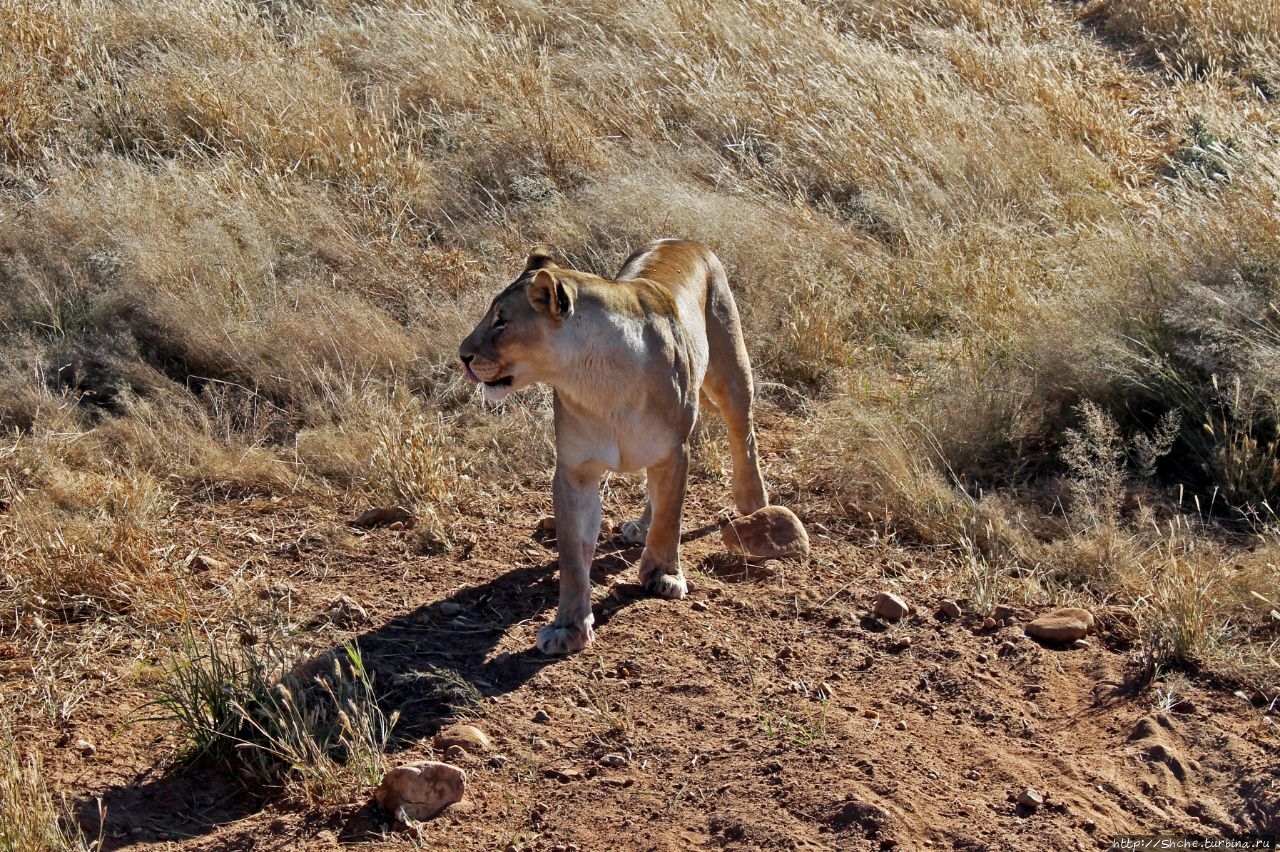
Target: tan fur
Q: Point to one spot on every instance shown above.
(629, 360)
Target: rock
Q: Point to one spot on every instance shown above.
(1030, 798)
(950, 609)
(700, 606)
(890, 607)
(1081, 644)
(901, 725)
(547, 524)
(825, 692)
(614, 759)
(421, 790)
(1062, 625)
(541, 716)
(469, 738)
(385, 518)
(989, 623)
(86, 748)
(202, 562)
(344, 612)
(773, 532)
(450, 608)
(455, 752)
(1004, 612)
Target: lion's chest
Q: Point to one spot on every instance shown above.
(623, 444)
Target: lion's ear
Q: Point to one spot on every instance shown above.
(550, 295)
(539, 258)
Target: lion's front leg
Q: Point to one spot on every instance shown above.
(660, 563)
(577, 503)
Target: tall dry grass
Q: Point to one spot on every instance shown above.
(239, 243)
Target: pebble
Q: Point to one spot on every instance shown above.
(385, 518)
(825, 692)
(1006, 648)
(1062, 625)
(700, 606)
(989, 623)
(773, 532)
(344, 612)
(614, 759)
(454, 752)
(890, 607)
(950, 609)
(469, 738)
(1004, 612)
(421, 790)
(86, 748)
(973, 775)
(450, 608)
(1081, 644)
(1030, 798)
(901, 725)
(541, 716)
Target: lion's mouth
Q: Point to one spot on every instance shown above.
(503, 382)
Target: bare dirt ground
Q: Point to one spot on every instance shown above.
(768, 710)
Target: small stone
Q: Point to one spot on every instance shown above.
(950, 609)
(497, 761)
(86, 748)
(1006, 648)
(1062, 625)
(1004, 612)
(385, 518)
(890, 607)
(541, 716)
(700, 606)
(454, 752)
(1081, 645)
(450, 608)
(989, 623)
(344, 612)
(870, 714)
(773, 532)
(901, 725)
(421, 790)
(973, 775)
(547, 524)
(825, 692)
(1030, 798)
(614, 759)
(203, 562)
(468, 738)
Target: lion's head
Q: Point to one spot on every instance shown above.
(511, 347)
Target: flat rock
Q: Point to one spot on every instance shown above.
(773, 532)
(1062, 625)
(890, 607)
(385, 517)
(469, 738)
(421, 790)
(950, 609)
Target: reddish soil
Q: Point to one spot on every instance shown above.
(927, 734)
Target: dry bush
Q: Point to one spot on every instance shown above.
(1200, 36)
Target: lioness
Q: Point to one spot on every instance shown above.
(629, 361)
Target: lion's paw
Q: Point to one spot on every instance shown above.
(669, 586)
(634, 532)
(556, 640)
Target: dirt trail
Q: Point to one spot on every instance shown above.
(766, 711)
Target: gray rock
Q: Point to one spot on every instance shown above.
(1030, 798)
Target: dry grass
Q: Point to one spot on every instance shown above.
(239, 244)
